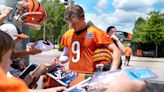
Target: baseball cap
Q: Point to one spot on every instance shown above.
(13, 31)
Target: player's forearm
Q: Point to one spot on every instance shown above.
(4, 13)
(119, 44)
(116, 56)
(2, 18)
(116, 60)
(20, 53)
(121, 47)
(64, 57)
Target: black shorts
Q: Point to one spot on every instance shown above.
(127, 58)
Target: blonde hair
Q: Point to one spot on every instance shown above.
(74, 12)
(6, 43)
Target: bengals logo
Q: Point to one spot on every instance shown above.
(103, 56)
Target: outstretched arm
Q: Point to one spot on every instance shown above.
(5, 13)
(62, 59)
(120, 82)
(116, 56)
(118, 42)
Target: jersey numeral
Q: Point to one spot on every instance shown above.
(76, 51)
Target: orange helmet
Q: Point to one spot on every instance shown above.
(30, 13)
(102, 56)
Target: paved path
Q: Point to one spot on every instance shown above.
(45, 57)
(155, 64)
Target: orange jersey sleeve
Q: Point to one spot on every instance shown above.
(81, 47)
(128, 51)
(11, 84)
(101, 37)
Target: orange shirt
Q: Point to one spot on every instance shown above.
(11, 84)
(82, 46)
(128, 51)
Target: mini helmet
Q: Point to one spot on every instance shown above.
(30, 13)
(103, 56)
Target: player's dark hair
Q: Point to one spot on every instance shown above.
(109, 28)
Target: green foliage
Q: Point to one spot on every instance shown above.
(150, 30)
(155, 27)
(64, 29)
(139, 34)
(36, 35)
(61, 47)
(55, 24)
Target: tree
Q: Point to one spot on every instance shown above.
(139, 31)
(155, 28)
(64, 28)
(150, 30)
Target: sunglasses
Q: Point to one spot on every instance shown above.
(71, 16)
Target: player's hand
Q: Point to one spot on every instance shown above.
(120, 82)
(29, 78)
(32, 50)
(33, 86)
(42, 68)
(114, 37)
(36, 76)
(55, 61)
(113, 68)
(6, 11)
(47, 68)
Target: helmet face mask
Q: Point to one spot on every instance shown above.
(29, 13)
(20, 8)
